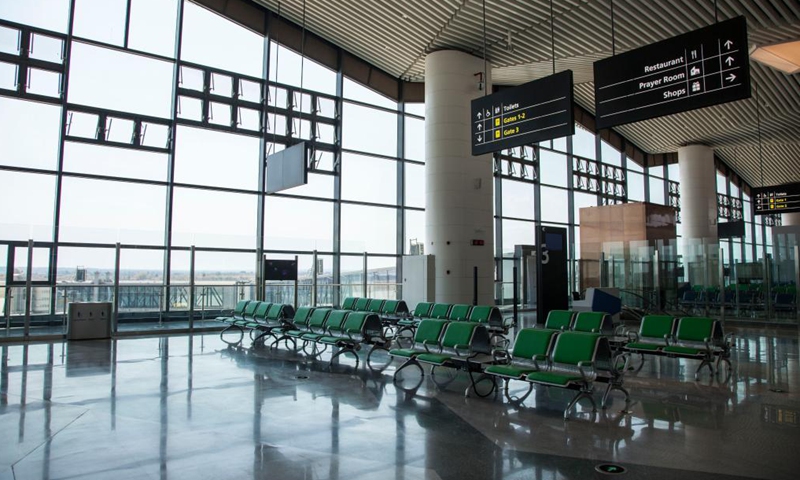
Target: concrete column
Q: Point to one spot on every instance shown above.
(458, 206)
(790, 219)
(698, 177)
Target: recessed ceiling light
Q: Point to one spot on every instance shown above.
(782, 56)
(405, 17)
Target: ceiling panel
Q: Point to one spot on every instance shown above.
(396, 37)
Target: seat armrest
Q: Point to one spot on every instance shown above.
(668, 339)
(459, 349)
(632, 336)
(536, 359)
(589, 375)
(501, 356)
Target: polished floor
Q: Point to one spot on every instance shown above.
(190, 407)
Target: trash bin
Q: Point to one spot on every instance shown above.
(89, 320)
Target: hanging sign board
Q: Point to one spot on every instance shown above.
(778, 199)
(533, 112)
(705, 67)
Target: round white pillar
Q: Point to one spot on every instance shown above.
(458, 205)
(790, 219)
(698, 192)
(700, 244)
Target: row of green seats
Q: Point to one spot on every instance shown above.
(320, 328)
(563, 359)
(589, 322)
(260, 318)
(375, 305)
(688, 337)
(444, 343)
(486, 315)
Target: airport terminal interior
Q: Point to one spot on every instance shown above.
(418, 239)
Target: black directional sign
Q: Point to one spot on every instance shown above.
(705, 67)
(778, 199)
(533, 112)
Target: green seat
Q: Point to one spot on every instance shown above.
(481, 313)
(248, 314)
(575, 362)
(426, 338)
(334, 328)
(333, 322)
(348, 303)
(459, 312)
(316, 322)
(531, 346)
(592, 322)
(653, 333)
(456, 342)
(558, 320)
(423, 310)
(552, 378)
(375, 306)
(238, 311)
(390, 307)
(275, 312)
(440, 311)
(259, 315)
(361, 304)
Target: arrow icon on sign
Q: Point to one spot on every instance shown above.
(730, 77)
(728, 44)
(729, 61)
(480, 126)
(479, 115)
(480, 138)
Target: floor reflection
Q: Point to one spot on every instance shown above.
(191, 407)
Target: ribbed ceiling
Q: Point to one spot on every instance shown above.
(397, 35)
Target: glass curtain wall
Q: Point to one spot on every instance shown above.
(133, 139)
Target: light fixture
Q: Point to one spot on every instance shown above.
(781, 56)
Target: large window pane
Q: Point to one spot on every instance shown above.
(583, 143)
(85, 264)
(109, 212)
(583, 200)
(369, 179)
(152, 26)
(101, 20)
(356, 91)
(553, 168)
(295, 224)
(209, 39)
(206, 157)
(657, 191)
(516, 232)
(285, 66)
(609, 154)
(29, 134)
(369, 130)
(415, 185)
(518, 201)
(206, 218)
(369, 229)
(555, 205)
(141, 265)
(415, 139)
(414, 242)
(100, 77)
(47, 14)
(33, 196)
(114, 162)
(215, 268)
(635, 187)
